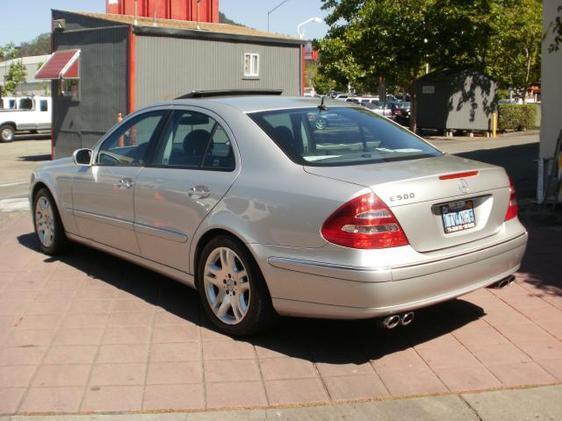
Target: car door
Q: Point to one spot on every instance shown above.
(191, 169)
(103, 192)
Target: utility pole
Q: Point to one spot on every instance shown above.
(273, 10)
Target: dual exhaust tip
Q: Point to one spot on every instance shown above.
(504, 282)
(390, 322)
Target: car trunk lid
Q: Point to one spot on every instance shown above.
(419, 191)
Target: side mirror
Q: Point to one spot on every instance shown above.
(82, 156)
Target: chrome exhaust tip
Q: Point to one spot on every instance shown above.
(504, 282)
(407, 318)
(390, 322)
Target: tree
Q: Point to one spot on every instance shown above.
(38, 46)
(16, 75)
(378, 38)
(395, 39)
(513, 55)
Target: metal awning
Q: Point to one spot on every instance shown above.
(61, 65)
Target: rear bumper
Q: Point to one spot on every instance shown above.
(324, 290)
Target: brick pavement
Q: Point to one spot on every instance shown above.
(92, 333)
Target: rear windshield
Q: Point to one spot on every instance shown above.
(340, 136)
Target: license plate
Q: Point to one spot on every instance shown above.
(458, 216)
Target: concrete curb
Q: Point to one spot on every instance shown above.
(537, 403)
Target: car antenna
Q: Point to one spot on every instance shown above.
(322, 107)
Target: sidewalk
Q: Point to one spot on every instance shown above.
(542, 403)
(89, 333)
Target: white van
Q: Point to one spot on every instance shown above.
(24, 114)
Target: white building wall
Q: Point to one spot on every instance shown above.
(551, 90)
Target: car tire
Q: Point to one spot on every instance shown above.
(226, 271)
(47, 223)
(7, 133)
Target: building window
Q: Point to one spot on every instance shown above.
(69, 88)
(251, 65)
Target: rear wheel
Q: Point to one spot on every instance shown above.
(48, 226)
(232, 288)
(7, 133)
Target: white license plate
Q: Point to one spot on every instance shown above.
(458, 216)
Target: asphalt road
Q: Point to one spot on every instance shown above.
(17, 161)
(517, 153)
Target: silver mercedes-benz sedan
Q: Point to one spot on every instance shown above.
(272, 205)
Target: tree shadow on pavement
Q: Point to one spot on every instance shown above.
(329, 341)
(520, 162)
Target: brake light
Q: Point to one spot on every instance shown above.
(458, 175)
(513, 207)
(364, 223)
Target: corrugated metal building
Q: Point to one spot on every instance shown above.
(105, 64)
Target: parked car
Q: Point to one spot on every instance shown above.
(266, 212)
(309, 92)
(369, 100)
(380, 107)
(25, 114)
(401, 112)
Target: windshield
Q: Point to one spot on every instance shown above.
(340, 136)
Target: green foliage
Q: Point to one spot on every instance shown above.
(394, 39)
(16, 75)
(8, 51)
(224, 19)
(512, 56)
(39, 46)
(516, 116)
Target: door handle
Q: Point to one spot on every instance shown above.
(199, 192)
(125, 183)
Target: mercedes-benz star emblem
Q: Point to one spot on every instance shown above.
(463, 186)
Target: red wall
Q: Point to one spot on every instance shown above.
(167, 9)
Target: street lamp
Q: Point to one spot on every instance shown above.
(273, 10)
(300, 31)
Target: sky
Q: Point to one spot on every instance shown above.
(23, 20)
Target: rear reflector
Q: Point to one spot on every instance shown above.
(513, 206)
(364, 223)
(458, 175)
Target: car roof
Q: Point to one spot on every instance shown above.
(254, 103)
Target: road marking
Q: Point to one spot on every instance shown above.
(19, 183)
(14, 205)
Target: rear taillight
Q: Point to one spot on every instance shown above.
(364, 223)
(513, 207)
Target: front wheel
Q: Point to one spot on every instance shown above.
(232, 288)
(48, 226)
(7, 133)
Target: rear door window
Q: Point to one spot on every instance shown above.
(194, 140)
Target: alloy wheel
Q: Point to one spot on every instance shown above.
(227, 285)
(45, 221)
